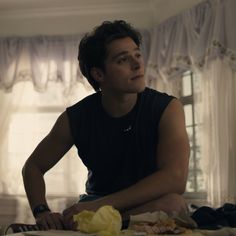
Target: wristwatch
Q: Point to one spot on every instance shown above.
(40, 209)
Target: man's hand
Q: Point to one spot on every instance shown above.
(75, 209)
(50, 220)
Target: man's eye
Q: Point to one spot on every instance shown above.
(122, 59)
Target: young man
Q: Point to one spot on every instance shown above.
(131, 138)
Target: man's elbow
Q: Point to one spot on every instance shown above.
(181, 189)
(29, 168)
(179, 181)
(25, 169)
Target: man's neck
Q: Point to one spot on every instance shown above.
(119, 104)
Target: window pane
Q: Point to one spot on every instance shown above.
(190, 135)
(25, 132)
(190, 183)
(200, 181)
(188, 114)
(198, 157)
(186, 85)
(198, 134)
(191, 160)
(28, 129)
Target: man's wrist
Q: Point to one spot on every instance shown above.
(40, 209)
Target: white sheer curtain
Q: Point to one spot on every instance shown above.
(8, 102)
(50, 63)
(29, 66)
(219, 115)
(203, 39)
(23, 125)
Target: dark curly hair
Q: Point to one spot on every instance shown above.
(92, 47)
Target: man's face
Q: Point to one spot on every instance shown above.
(124, 67)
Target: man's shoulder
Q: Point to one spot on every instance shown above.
(155, 95)
(154, 103)
(86, 102)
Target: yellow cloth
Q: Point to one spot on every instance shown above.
(106, 221)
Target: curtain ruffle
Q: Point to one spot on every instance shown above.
(193, 39)
(10, 51)
(40, 59)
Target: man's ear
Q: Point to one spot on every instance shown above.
(97, 74)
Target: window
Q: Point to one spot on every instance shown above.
(195, 183)
(32, 120)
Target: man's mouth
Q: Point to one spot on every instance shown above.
(137, 77)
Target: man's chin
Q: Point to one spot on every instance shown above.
(140, 88)
(131, 89)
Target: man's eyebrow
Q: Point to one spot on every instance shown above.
(123, 53)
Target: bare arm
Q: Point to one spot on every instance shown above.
(172, 161)
(49, 151)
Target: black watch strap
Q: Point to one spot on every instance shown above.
(40, 209)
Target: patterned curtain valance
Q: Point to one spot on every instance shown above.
(194, 38)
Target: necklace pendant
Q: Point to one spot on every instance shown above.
(127, 129)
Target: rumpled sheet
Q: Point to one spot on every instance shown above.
(183, 220)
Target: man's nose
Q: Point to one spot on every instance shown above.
(136, 63)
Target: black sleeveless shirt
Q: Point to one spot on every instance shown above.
(117, 152)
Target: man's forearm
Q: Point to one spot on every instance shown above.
(34, 185)
(148, 189)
